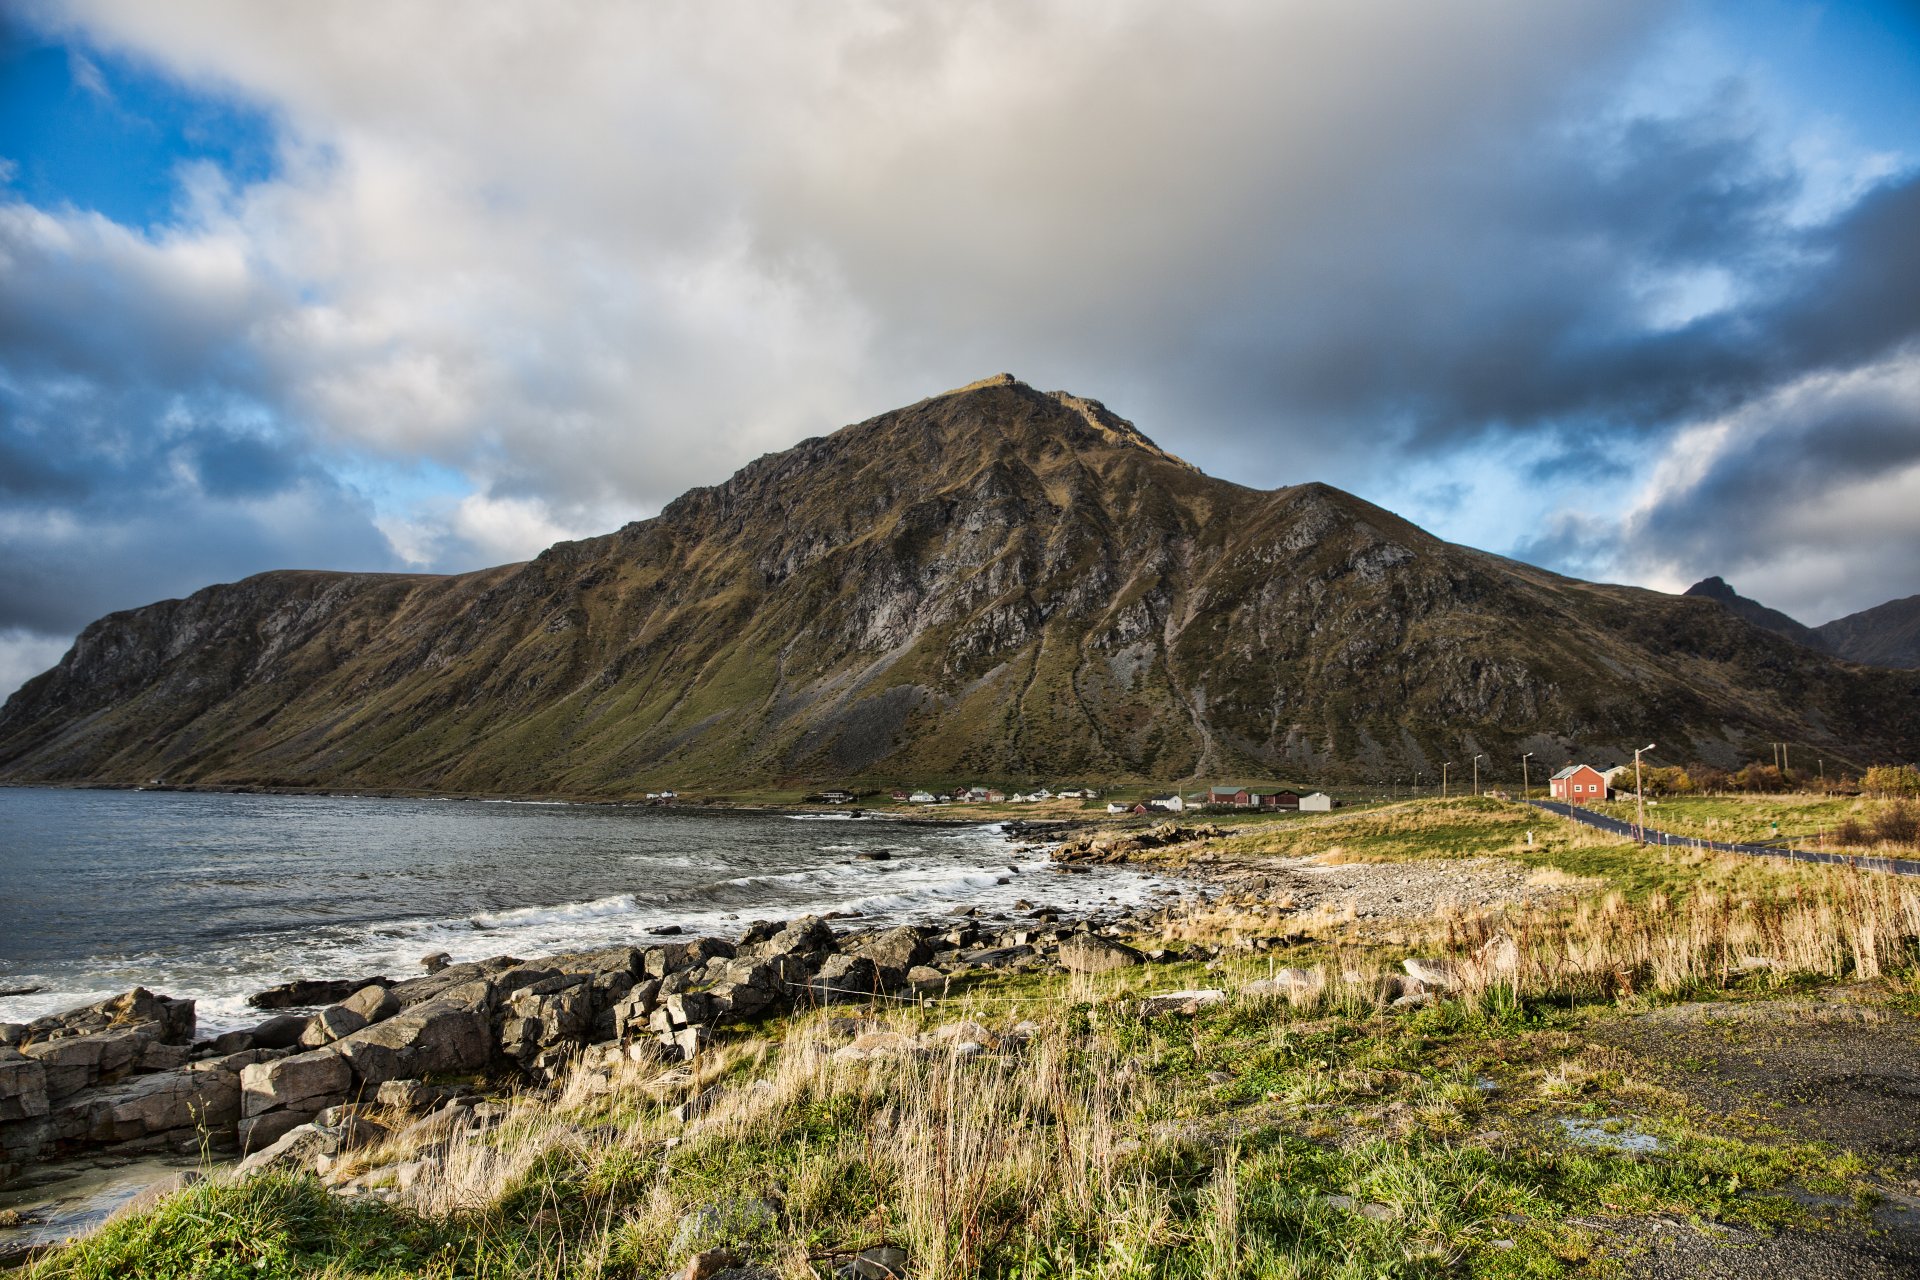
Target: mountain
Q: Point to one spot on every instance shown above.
(1887, 635)
(1759, 615)
(994, 583)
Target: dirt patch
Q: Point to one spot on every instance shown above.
(1832, 1069)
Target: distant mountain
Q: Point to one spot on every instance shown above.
(1887, 635)
(996, 583)
(1753, 611)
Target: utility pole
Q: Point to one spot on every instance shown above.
(1476, 775)
(1446, 765)
(1526, 791)
(1639, 797)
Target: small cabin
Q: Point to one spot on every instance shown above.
(1318, 802)
(1578, 784)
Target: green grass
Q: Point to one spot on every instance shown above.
(1259, 1138)
(1745, 817)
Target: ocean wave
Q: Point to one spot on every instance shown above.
(564, 913)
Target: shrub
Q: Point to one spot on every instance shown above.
(1892, 780)
(1898, 823)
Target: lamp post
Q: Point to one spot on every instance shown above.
(1476, 775)
(1639, 798)
(1444, 766)
(1526, 792)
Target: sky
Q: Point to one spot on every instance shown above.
(1626, 288)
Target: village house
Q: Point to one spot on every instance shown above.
(921, 797)
(1240, 797)
(1578, 784)
(900, 795)
(837, 796)
(1170, 804)
(1318, 802)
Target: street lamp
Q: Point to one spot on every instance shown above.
(1526, 792)
(1639, 798)
(1476, 774)
(1444, 766)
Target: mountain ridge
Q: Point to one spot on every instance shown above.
(995, 582)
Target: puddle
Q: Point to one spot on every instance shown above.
(57, 1202)
(1610, 1135)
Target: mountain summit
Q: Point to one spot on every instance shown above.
(996, 582)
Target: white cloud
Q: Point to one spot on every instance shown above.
(24, 655)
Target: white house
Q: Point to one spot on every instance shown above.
(1172, 803)
(1115, 806)
(1318, 802)
(920, 797)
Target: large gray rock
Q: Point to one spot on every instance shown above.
(138, 1007)
(204, 1095)
(23, 1086)
(537, 1019)
(845, 979)
(372, 1004)
(673, 957)
(330, 1024)
(77, 1062)
(303, 1082)
(303, 993)
(1088, 953)
(900, 948)
(422, 1040)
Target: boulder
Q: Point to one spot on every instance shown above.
(440, 1035)
(926, 978)
(282, 1031)
(372, 1003)
(305, 1081)
(630, 1014)
(79, 1061)
(203, 1095)
(1286, 982)
(673, 957)
(173, 1019)
(844, 979)
(257, 1133)
(435, 961)
(1182, 1002)
(1088, 953)
(23, 1086)
(900, 948)
(304, 993)
(1430, 971)
(996, 957)
(330, 1024)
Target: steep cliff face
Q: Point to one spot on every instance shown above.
(997, 582)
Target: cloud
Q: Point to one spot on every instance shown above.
(584, 258)
(1808, 498)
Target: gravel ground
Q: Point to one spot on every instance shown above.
(1382, 890)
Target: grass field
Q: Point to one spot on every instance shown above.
(1509, 1128)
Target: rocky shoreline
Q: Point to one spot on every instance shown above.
(126, 1077)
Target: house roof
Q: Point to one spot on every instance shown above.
(1572, 769)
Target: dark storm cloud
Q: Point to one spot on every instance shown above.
(581, 261)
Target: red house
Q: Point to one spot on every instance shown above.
(1578, 784)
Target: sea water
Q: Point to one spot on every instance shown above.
(215, 896)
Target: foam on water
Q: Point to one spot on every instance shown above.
(703, 874)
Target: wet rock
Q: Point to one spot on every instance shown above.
(435, 961)
(304, 992)
(282, 1031)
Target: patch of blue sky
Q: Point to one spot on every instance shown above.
(1834, 88)
(88, 129)
(401, 486)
